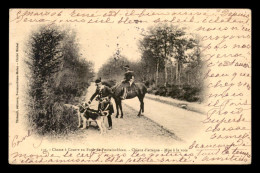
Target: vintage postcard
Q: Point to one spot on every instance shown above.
(129, 86)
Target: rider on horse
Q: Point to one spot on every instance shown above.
(104, 95)
(128, 81)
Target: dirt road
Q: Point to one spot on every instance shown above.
(161, 125)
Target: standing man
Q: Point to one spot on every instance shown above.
(128, 80)
(103, 93)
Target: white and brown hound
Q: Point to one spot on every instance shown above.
(87, 115)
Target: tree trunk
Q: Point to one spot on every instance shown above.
(157, 72)
(171, 75)
(165, 73)
(177, 71)
(147, 74)
(165, 65)
(179, 74)
(188, 78)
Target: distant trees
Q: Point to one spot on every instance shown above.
(170, 63)
(113, 68)
(169, 47)
(56, 75)
(172, 59)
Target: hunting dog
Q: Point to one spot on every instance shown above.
(88, 115)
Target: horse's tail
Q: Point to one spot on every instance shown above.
(144, 89)
(146, 83)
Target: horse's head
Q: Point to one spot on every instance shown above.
(109, 83)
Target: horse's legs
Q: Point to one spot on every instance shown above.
(141, 99)
(120, 106)
(117, 112)
(142, 105)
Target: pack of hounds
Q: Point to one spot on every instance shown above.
(88, 115)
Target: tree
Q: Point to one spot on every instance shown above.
(113, 68)
(181, 46)
(148, 64)
(44, 59)
(57, 74)
(166, 42)
(151, 45)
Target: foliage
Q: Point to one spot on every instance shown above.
(170, 56)
(166, 46)
(57, 76)
(187, 93)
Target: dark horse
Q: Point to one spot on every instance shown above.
(136, 90)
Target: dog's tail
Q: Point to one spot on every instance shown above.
(71, 106)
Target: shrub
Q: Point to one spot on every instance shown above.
(57, 76)
(192, 94)
(186, 92)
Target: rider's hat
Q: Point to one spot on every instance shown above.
(98, 80)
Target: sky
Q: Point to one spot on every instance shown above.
(98, 44)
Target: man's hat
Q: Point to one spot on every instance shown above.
(126, 66)
(98, 80)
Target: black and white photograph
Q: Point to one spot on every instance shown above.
(129, 86)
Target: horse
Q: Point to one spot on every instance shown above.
(136, 90)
